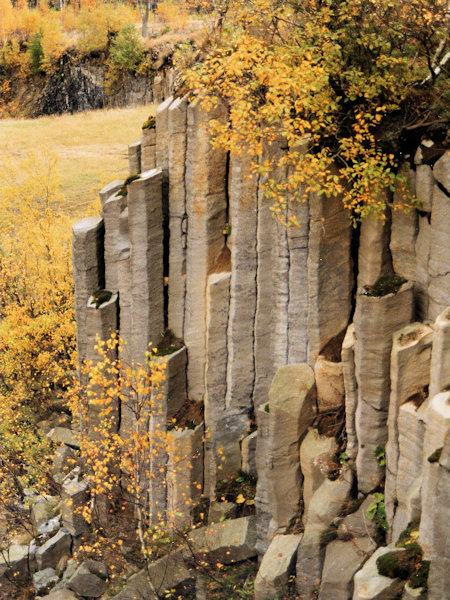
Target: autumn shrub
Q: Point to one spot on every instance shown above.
(36, 52)
(119, 462)
(127, 50)
(336, 82)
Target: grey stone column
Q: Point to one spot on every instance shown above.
(109, 190)
(101, 322)
(408, 480)
(216, 370)
(330, 275)
(134, 158)
(242, 242)
(266, 240)
(148, 149)
(177, 127)
(410, 374)
(206, 210)
(422, 251)
(351, 390)
(404, 229)
(262, 500)
(184, 474)
(440, 355)
(374, 256)
(439, 577)
(436, 436)
(292, 401)
(376, 319)
(112, 209)
(162, 134)
(147, 281)
(88, 272)
(438, 265)
(166, 401)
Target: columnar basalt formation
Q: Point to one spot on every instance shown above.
(262, 316)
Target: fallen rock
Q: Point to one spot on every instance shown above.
(357, 524)
(14, 561)
(342, 561)
(50, 527)
(370, 585)
(227, 542)
(169, 572)
(277, 565)
(63, 435)
(89, 579)
(44, 580)
(137, 588)
(50, 553)
(73, 497)
(60, 595)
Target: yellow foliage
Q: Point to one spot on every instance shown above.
(323, 77)
(37, 331)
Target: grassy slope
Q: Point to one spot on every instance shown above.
(91, 146)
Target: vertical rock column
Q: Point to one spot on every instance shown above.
(88, 273)
(292, 400)
(167, 399)
(408, 480)
(262, 500)
(376, 320)
(404, 228)
(374, 257)
(148, 149)
(439, 578)
(162, 137)
(330, 277)
(436, 436)
(206, 203)
(134, 158)
(112, 209)
(410, 374)
(242, 242)
(218, 443)
(184, 474)
(351, 390)
(101, 322)
(122, 251)
(177, 124)
(438, 266)
(440, 355)
(147, 284)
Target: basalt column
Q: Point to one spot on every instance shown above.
(177, 124)
(147, 281)
(88, 272)
(206, 210)
(330, 279)
(242, 242)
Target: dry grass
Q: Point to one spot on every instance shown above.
(91, 147)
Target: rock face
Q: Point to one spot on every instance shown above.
(260, 311)
(70, 88)
(276, 567)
